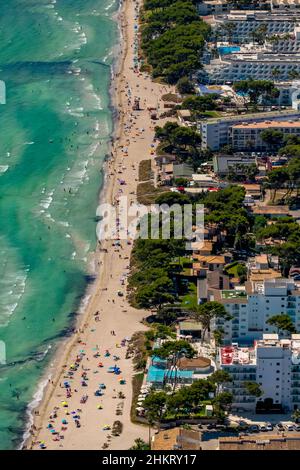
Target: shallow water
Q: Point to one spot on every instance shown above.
(55, 59)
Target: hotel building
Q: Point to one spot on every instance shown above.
(216, 132)
(272, 363)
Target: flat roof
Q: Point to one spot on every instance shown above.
(240, 117)
(263, 274)
(198, 362)
(184, 112)
(230, 355)
(176, 438)
(233, 294)
(270, 210)
(190, 325)
(267, 125)
(261, 258)
(261, 442)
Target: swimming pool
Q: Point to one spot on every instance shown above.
(228, 49)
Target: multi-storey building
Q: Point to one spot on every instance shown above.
(253, 305)
(285, 43)
(240, 26)
(248, 135)
(262, 65)
(272, 363)
(216, 132)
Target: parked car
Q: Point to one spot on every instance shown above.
(254, 428)
(280, 427)
(262, 428)
(296, 427)
(289, 427)
(243, 425)
(211, 426)
(269, 427)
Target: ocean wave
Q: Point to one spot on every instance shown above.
(12, 281)
(3, 168)
(36, 400)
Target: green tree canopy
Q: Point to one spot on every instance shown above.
(282, 322)
(253, 388)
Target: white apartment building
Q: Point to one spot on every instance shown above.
(244, 23)
(257, 65)
(215, 132)
(272, 363)
(248, 135)
(252, 305)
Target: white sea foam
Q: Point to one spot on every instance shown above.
(37, 398)
(110, 5)
(12, 282)
(3, 168)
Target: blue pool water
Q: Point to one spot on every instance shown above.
(223, 50)
(157, 374)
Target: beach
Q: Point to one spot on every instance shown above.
(62, 420)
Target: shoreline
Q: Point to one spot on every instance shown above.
(50, 378)
(114, 311)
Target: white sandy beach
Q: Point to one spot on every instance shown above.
(135, 131)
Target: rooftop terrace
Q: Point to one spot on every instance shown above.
(233, 294)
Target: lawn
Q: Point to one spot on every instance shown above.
(191, 297)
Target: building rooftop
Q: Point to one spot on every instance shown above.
(257, 275)
(184, 113)
(261, 442)
(196, 362)
(282, 3)
(210, 259)
(233, 354)
(205, 246)
(230, 355)
(271, 210)
(182, 169)
(252, 115)
(176, 438)
(233, 294)
(261, 259)
(190, 326)
(244, 15)
(267, 125)
(203, 177)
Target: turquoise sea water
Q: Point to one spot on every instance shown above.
(55, 59)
